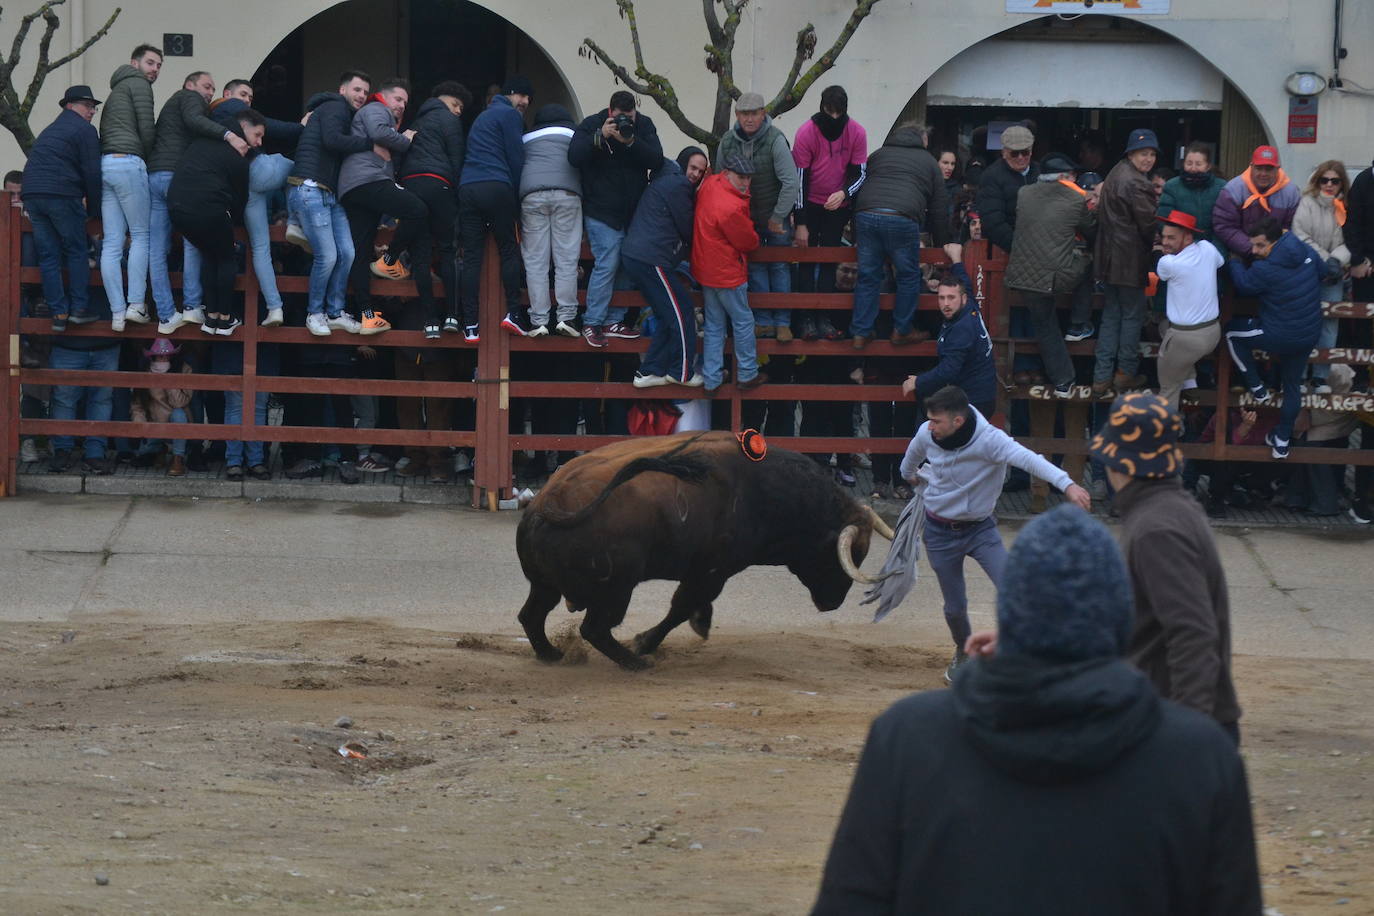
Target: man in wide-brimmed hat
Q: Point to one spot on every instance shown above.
(1189, 266)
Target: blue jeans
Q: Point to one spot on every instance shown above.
(192, 296)
(731, 304)
(882, 237)
(99, 400)
(324, 223)
(59, 232)
(178, 415)
(1325, 341)
(125, 207)
(233, 415)
(266, 176)
(1243, 337)
(606, 275)
(773, 277)
(945, 551)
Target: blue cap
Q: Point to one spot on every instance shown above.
(1143, 138)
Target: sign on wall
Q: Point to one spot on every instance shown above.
(1076, 7)
(1302, 119)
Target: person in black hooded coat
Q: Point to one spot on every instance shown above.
(1051, 778)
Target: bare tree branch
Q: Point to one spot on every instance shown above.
(104, 29)
(655, 87)
(791, 95)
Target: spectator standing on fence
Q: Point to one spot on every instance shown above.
(1261, 192)
(62, 171)
(964, 346)
(1189, 266)
(368, 191)
(831, 150)
(1359, 238)
(1318, 221)
(184, 118)
(206, 200)
(995, 205)
(722, 235)
(430, 172)
(1052, 778)
(267, 173)
(1125, 236)
(658, 239)
(962, 459)
(1055, 218)
(615, 149)
(1286, 275)
(1182, 634)
(127, 133)
(773, 196)
(1194, 191)
(314, 200)
(902, 192)
(551, 221)
(163, 405)
(487, 201)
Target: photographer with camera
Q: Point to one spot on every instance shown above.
(615, 149)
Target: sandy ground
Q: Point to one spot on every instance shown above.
(190, 759)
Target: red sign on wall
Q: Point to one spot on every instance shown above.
(1302, 119)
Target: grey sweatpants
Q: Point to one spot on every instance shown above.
(551, 225)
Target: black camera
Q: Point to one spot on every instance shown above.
(624, 125)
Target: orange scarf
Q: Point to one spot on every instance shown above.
(1340, 211)
(1069, 184)
(1262, 196)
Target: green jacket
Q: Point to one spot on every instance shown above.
(184, 117)
(1196, 201)
(126, 117)
(1053, 229)
(777, 183)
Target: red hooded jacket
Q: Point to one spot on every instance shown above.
(722, 235)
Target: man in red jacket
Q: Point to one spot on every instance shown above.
(723, 233)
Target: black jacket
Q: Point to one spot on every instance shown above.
(1359, 223)
(326, 140)
(65, 162)
(1038, 788)
(614, 175)
(661, 230)
(282, 136)
(904, 177)
(438, 146)
(210, 178)
(996, 200)
(965, 351)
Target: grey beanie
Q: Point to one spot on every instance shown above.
(1064, 594)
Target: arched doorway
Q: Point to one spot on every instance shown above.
(425, 41)
(1094, 77)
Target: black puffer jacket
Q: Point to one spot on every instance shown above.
(326, 140)
(1046, 256)
(996, 201)
(1039, 788)
(1359, 223)
(614, 175)
(438, 146)
(904, 176)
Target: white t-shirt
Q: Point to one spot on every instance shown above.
(1192, 278)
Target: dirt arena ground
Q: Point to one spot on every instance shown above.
(172, 765)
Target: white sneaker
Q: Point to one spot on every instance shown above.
(296, 236)
(317, 324)
(649, 381)
(116, 321)
(696, 381)
(137, 312)
(28, 451)
(345, 322)
(167, 327)
(193, 315)
(274, 319)
(1322, 389)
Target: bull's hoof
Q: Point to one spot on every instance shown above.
(635, 663)
(637, 645)
(549, 656)
(700, 627)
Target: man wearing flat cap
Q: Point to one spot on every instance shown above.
(1182, 636)
(62, 171)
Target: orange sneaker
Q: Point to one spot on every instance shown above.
(387, 271)
(374, 323)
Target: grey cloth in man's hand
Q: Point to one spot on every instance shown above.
(899, 569)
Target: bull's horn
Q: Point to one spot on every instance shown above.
(842, 546)
(879, 525)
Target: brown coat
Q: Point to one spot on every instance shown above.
(155, 405)
(1125, 227)
(1182, 638)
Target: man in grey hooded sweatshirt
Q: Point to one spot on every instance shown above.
(551, 220)
(961, 460)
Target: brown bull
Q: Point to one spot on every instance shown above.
(691, 508)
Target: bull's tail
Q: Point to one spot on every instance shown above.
(688, 466)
